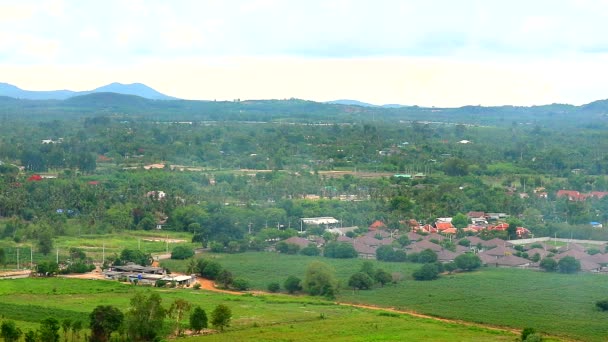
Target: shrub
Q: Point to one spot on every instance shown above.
(292, 284)
(467, 261)
(241, 284)
(568, 265)
(274, 287)
(360, 281)
(182, 253)
(602, 304)
(426, 272)
(196, 286)
(548, 264)
(310, 250)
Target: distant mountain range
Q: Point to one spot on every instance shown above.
(137, 89)
(363, 104)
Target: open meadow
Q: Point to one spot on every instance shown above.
(556, 304)
(255, 318)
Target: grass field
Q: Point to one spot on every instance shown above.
(556, 304)
(259, 318)
(94, 245)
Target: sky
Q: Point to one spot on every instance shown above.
(442, 53)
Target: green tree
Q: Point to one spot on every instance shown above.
(145, 317)
(45, 241)
(182, 252)
(360, 281)
(568, 264)
(225, 278)
(460, 220)
(66, 324)
(320, 280)
(548, 264)
(426, 272)
(30, 336)
(103, 320)
(198, 319)
(382, 277)
(468, 261)
(2, 257)
(49, 330)
(10, 332)
(310, 250)
(209, 269)
(385, 253)
(274, 287)
(241, 284)
(292, 284)
(178, 310)
(76, 328)
(427, 256)
(221, 316)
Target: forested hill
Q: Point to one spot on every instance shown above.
(592, 115)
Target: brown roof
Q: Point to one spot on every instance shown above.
(343, 238)
(364, 249)
(588, 265)
(599, 258)
(424, 244)
(495, 242)
(541, 252)
(576, 254)
(512, 260)
(434, 236)
(500, 251)
(486, 259)
(296, 240)
(446, 255)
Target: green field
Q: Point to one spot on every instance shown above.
(259, 318)
(555, 304)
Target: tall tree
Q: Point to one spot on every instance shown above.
(145, 317)
(198, 319)
(179, 308)
(221, 316)
(103, 320)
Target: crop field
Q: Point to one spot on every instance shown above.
(255, 318)
(556, 304)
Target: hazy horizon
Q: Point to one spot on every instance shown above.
(436, 53)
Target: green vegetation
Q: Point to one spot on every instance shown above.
(524, 295)
(252, 318)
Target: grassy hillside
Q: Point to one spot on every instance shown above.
(260, 318)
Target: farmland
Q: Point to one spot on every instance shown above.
(27, 301)
(552, 303)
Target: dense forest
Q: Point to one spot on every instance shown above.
(237, 171)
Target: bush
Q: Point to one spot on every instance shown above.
(548, 264)
(161, 283)
(292, 284)
(468, 261)
(241, 284)
(568, 265)
(310, 250)
(426, 272)
(340, 251)
(182, 253)
(602, 304)
(360, 281)
(196, 286)
(274, 287)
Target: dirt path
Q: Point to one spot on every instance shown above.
(416, 314)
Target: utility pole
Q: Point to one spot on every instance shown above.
(57, 258)
(103, 253)
(32, 257)
(18, 258)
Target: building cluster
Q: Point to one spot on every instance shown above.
(146, 275)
